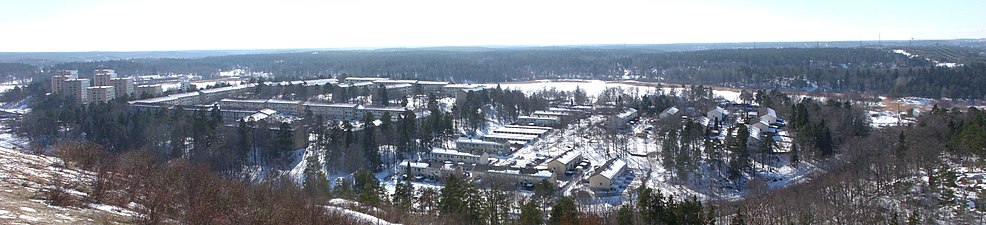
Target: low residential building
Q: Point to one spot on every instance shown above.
(149, 90)
(289, 107)
(605, 176)
(431, 87)
(521, 131)
(538, 121)
(511, 138)
(670, 111)
(187, 98)
(442, 155)
(378, 111)
(622, 119)
(433, 171)
(332, 111)
(479, 146)
(716, 115)
(564, 162)
(515, 176)
(452, 90)
(529, 127)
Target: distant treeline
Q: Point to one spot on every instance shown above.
(872, 70)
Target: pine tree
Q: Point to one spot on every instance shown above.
(564, 212)
(624, 215)
(403, 196)
(369, 144)
(315, 182)
(530, 213)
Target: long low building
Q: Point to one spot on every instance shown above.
(332, 111)
(480, 146)
(515, 176)
(283, 106)
(506, 138)
(520, 131)
(442, 155)
(528, 127)
(538, 121)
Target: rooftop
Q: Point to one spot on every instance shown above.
(612, 168)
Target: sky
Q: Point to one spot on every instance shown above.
(155, 25)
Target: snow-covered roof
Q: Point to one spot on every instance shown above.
(167, 98)
(628, 112)
(356, 84)
(670, 111)
(441, 151)
(537, 118)
(423, 82)
(283, 101)
(771, 112)
(336, 105)
(550, 113)
(382, 108)
(461, 86)
(364, 78)
(512, 136)
(704, 121)
(414, 164)
(268, 111)
(320, 81)
(538, 174)
(243, 100)
(222, 89)
(395, 81)
(476, 141)
(567, 157)
(521, 131)
(527, 127)
(400, 85)
(612, 168)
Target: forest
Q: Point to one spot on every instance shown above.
(876, 70)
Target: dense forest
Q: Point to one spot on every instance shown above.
(872, 70)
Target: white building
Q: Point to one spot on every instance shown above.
(620, 120)
(668, 112)
(716, 114)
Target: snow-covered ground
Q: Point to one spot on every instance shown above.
(22, 176)
(884, 118)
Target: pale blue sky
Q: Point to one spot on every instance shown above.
(133, 25)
